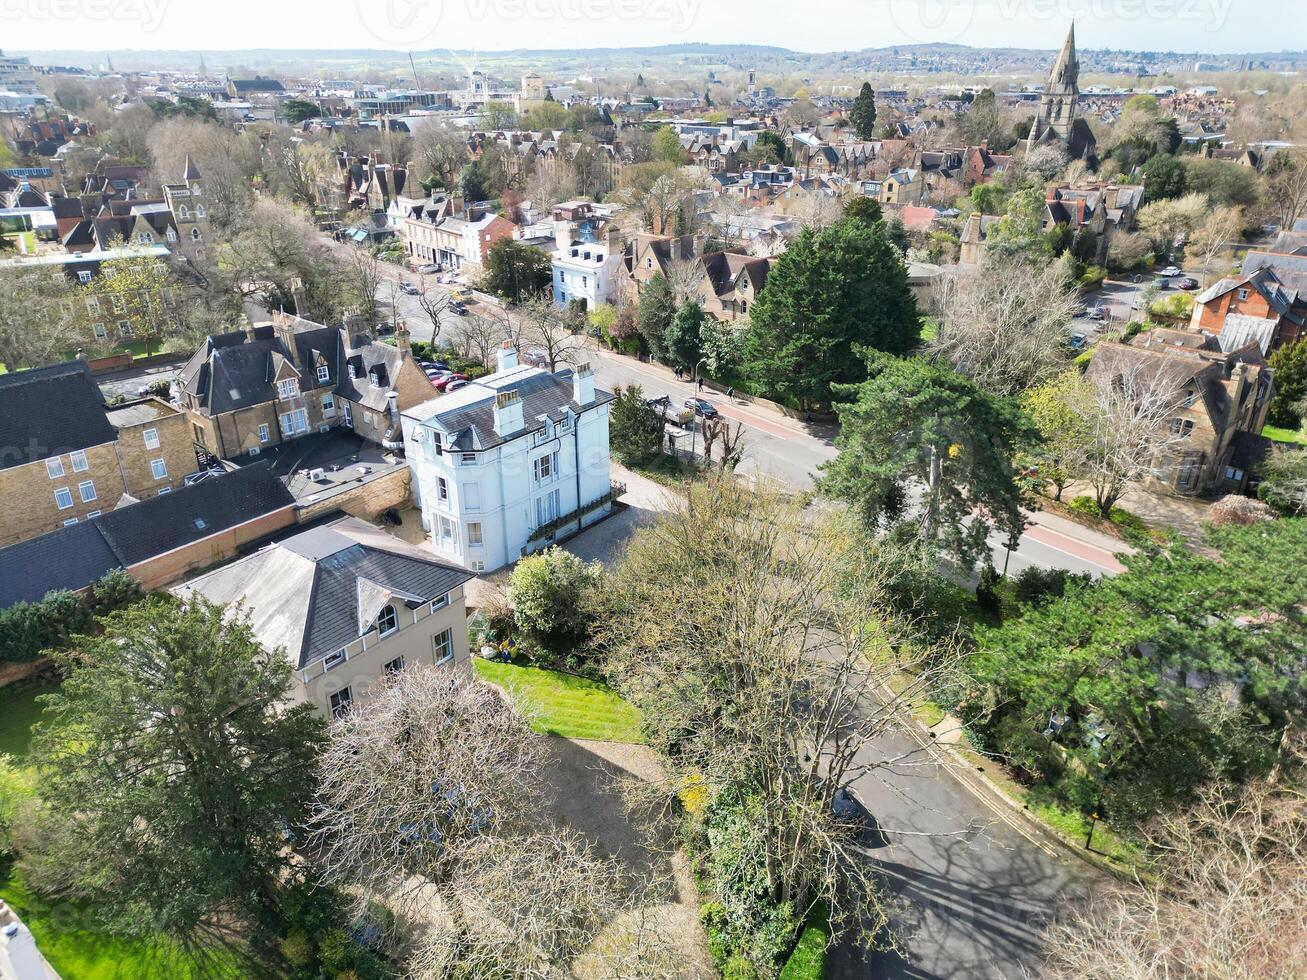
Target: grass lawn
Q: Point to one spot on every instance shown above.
(18, 712)
(1276, 434)
(565, 705)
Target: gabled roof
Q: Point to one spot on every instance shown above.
(315, 593)
(73, 557)
(50, 411)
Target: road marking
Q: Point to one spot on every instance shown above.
(1100, 557)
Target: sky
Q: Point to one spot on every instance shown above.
(493, 25)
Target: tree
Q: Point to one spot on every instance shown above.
(132, 292)
(1225, 184)
(829, 292)
(1284, 481)
(298, 110)
(1020, 232)
(541, 328)
(1154, 680)
(635, 428)
(667, 145)
(550, 594)
(44, 316)
(440, 155)
(516, 271)
(914, 424)
(365, 278)
(773, 143)
(1004, 325)
(546, 116)
(1286, 185)
(1290, 366)
(1225, 889)
(864, 209)
(863, 114)
(1164, 178)
(1170, 220)
(227, 163)
(657, 307)
(1128, 250)
(1214, 234)
(153, 809)
(497, 116)
(986, 122)
(683, 339)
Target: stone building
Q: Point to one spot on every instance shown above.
(1058, 120)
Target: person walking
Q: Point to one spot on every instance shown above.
(701, 384)
(730, 392)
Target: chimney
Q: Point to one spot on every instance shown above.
(508, 413)
(583, 384)
(614, 235)
(507, 356)
(249, 331)
(1112, 193)
(356, 331)
(403, 340)
(562, 234)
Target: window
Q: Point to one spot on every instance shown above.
(334, 660)
(86, 490)
(171, 235)
(288, 388)
(199, 210)
(184, 213)
(124, 329)
(388, 621)
(100, 331)
(195, 235)
(444, 647)
(264, 434)
(295, 423)
(1188, 474)
(92, 513)
(324, 374)
(340, 702)
(474, 537)
(93, 304)
(471, 496)
(70, 522)
(328, 405)
(1182, 427)
(478, 566)
(63, 498)
(54, 466)
(83, 277)
(442, 488)
(165, 490)
(1243, 294)
(545, 467)
(158, 469)
(393, 667)
(547, 508)
(80, 465)
(440, 602)
(118, 303)
(1233, 474)
(470, 458)
(151, 437)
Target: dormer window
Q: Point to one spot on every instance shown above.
(387, 621)
(288, 388)
(323, 374)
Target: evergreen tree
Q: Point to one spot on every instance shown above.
(657, 307)
(683, 339)
(635, 430)
(1290, 366)
(863, 114)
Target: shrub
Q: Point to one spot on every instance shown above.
(1119, 516)
(549, 592)
(1239, 511)
(1036, 586)
(297, 947)
(808, 961)
(27, 629)
(987, 594)
(335, 950)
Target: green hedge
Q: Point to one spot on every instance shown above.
(27, 629)
(808, 961)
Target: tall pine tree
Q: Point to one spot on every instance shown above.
(863, 114)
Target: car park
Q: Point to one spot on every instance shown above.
(443, 383)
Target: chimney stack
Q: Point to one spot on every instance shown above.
(508, 413)
(583, 384)
(507, 356)
(403, 340)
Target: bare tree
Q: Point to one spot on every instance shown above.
(686, 276)
(45, 316)
(479, 336)
(365, 280)
(1229, 898)
(433, 304)
(429, 802)
(1214, 234)
(542, 329)
(732, 441)
(753, 642)
(1004, 325)
(439, 154)
(1286, 186)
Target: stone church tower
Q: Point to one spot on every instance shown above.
(1057, 121)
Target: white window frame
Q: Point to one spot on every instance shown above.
(264, 432)
(99, 331)
(79, 461)
(159, 469)
(340, 702)
(394, 618)
(86, 490)
(67, 495)
(54, 467)
(328, 405)
(392, 667)
(84, 277)
(475, 538)
(70, 522)
(442, 489)
(164, 490)
(92, 513)
(324, 373)
(287, 388)
(333, 660)
(440, 602)
(442, 646)
(151, 437)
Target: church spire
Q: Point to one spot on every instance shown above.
(1066, 70)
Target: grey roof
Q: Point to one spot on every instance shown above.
(75, 556)
(50, 411)
(471, 425)
(317, 592)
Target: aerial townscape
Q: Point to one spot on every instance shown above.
(653, 490)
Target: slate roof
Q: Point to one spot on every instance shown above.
(319, 591)
(50, 411)
(75, 556)
(470, 421)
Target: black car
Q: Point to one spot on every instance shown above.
(409, 289)
(458, 308)
(701, 408)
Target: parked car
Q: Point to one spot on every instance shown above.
(409, 289)
(1187, 284)
(460, 294)
(443, 383)
(1172, 271)
(1078, 309)
(455, 384)
(1098, 312)
(701, 408)
(457, 308)
(1076, 341)
(428, 270)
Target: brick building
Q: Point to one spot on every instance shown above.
(66, 456)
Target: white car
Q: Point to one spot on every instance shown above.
(1171, 272)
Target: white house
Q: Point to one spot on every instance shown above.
(510, 463)
(587, 255)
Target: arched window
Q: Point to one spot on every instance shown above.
(199, 211)
(195, 235)
(184, 213)
(388, 621)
